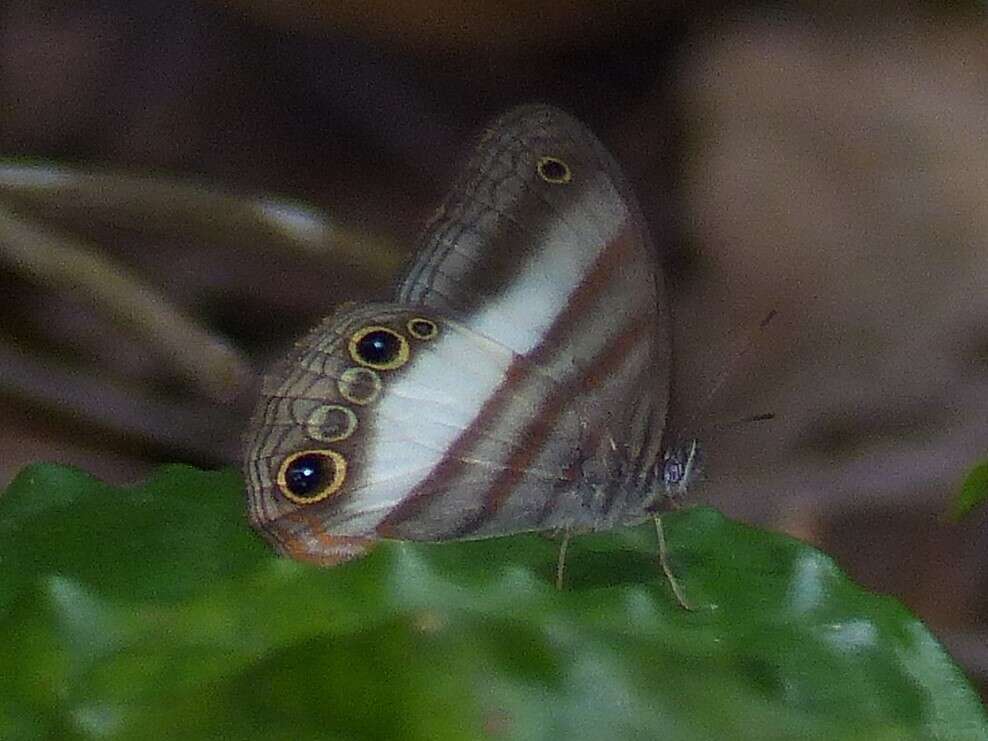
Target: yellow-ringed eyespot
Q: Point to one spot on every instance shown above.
(311, 476)
(380, 348)
(331, 422)
(554, 170)
(359, 385)
(421, 328)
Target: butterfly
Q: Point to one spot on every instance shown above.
(518, 380)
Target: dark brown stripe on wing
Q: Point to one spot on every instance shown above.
(534, 437)
(579, 301)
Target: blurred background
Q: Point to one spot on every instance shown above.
(825, 161)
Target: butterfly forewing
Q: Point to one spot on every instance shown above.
(539, 400)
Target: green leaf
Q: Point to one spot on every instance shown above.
(973, 493)
(154, 612)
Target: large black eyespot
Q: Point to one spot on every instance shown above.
(311, 475)
(379, 347)
(554, 170)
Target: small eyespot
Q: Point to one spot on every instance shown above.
(331, 422)
(380, 348)
(359, 385)
(311, 476)
(422, 329)
(554, 170)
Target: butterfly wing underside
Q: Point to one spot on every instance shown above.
(540, 399)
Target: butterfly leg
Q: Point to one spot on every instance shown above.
(677, 589)
(561, 561)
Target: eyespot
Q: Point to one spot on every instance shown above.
(311, 476)
(422, 329)
(379, 347)
(359, 385)
(331, 422)
(554, 170)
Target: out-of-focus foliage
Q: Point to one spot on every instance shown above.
(153, 612)
(973, 493)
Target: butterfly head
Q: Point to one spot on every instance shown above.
(680, 466)
(308, 463)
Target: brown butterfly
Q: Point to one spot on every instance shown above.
(519, 381)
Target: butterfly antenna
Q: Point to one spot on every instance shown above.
(741, 348)
(736, 423)
(758, 417)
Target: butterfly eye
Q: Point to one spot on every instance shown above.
(422, 329)
(312, 475)
(554, 170)
(379, 347)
